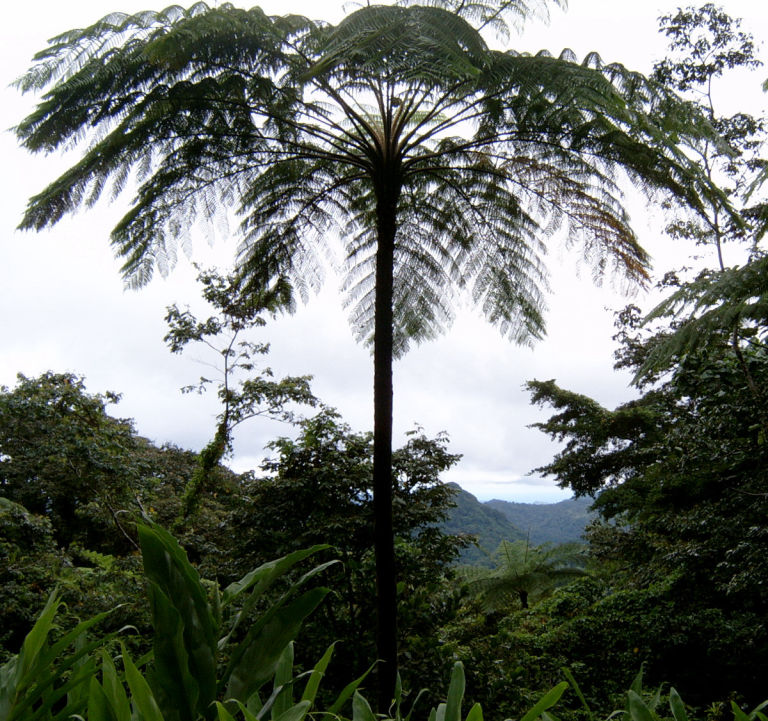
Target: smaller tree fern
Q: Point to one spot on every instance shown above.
(524, 573)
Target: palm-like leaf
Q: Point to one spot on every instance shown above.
(728, 304)
(300, 124)
(524, 571)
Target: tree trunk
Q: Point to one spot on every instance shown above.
(386, 594)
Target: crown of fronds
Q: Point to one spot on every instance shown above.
(303, 128)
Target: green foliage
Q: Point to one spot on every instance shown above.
(191, 665)
(47, 675)
(241, 399)
(319, 489)
(87, 478)
(64, 457)
(29, 565)
(682, 471)
(524, 573)
(189, 635)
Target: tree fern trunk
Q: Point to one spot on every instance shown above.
(386, 601)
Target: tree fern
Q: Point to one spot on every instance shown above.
(442, 166)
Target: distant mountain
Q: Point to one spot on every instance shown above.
(495, 521)
(547, 522)
(480, 520)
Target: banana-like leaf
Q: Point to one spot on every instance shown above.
(186, 632)
(145, 705)
(638, 709)
(297, 712)
(283, 679)
(99, 705)
(114, 690)
(637, 682)
(263, 577)
(475, 713)
(19, 673)
(677, 706)
(41, 675)
(546, 702)
(350, 689)
(361, 709)
(254, 660)
(455, 693)
(313, 683)
(172, 677)
(224, 715)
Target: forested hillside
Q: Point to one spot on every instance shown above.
(484, 524)
(562, 522)
(492, 522)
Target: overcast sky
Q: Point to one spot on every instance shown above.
(63, 307)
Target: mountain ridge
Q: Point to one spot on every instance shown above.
(494, 521)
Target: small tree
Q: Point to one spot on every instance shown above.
(317, 487)
(256, 395)
(524, 572)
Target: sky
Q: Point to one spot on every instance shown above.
(63, 306)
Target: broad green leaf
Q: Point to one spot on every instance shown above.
(677, 706)
(475, 713)
(254, 660)
(248, 714)
(113, 688)
(141, 695)
(39, 686)
(172, 678)
(296, 712)
(36, 639)
(313, 683)
(455, 693)
(54, 693)
(223, 714)
(546, 702)
(638, 709)
(83, 668)
(99, 706)
(348, 691)
(281, 567)
(263, 576)
(738, 714)
(283, 679)
(186, 633)
(361, 709)
(21, 673)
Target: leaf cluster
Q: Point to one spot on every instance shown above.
(474, 156)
